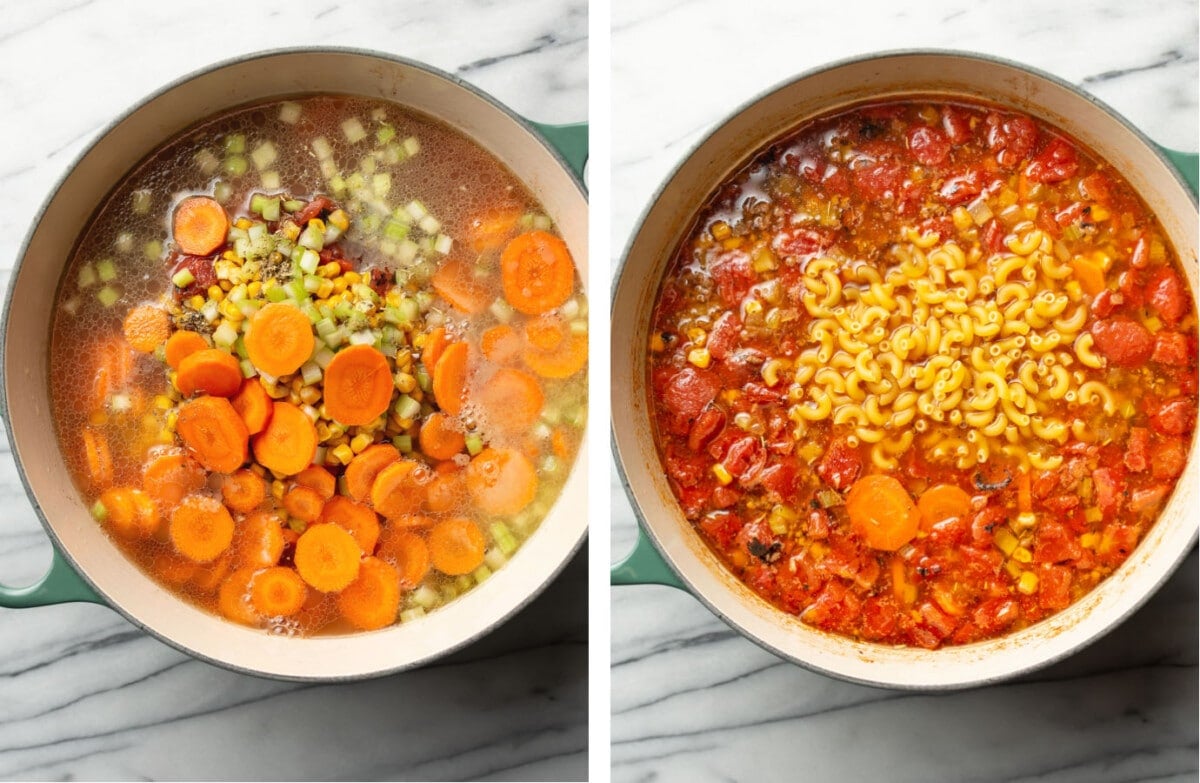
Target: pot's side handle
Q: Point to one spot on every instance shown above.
(60, 585)
(571, 141)
(1187, 163)
(644, 566)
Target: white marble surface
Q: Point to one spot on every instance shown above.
(692, 700)
(85, 695)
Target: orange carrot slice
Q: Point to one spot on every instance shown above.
(130, 513)
(277, 592)
(214, 433)
(435, 343)
(173, 569)
(168, 478)
(279, 339)
(303, 503)
(260, 540)
(942, 502)
(511, 399)
(373, 599)
(99, 458)
(456, 282)
(552, 350)
(358, 385)
(200, 225)
(147, 327)
(446, 490)
(537, 272)
(360, 521)
(450, 378)
(253, 404)
(882, 512)
(183, 344)
(408, 552)
(208, 578)
(327, 558)
(243, 491)
(456, 546)
(362, 470)
(201, 528)
(440, 438)
(113, 366)
(211, 371)
(317, 478)
(501, 481)
(289, 442)
(233, 599)
(493, 230)
(500, 344)
(399, 488)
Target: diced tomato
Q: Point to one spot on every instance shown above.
(733, 275)
(1044, 483)
(203, 274)
(928, 145)
(1057, 161)
(1174, 417)
(1061, 505)
(880, 617)
(961, 188)
(1140, 257)
(1147, 499)
(1109, 486)
(1012, 138)
(1137, 449)
(1106, 302)
(693, 500)
(1054, 587)
(707, 426)
(723, 337)
(936, 620)
(957, 124)
(993, 236)
(1072, 214)
(1123, 341)
(746, 458)
(995, 614)
(690, 391)
(780, 478)
(1130, 285)
(841, 465)
(1095, 187)
(762, 395)
(834, 608)
(721, 527)
(800, 241)
(1116, 543)
(1168, 455)
(879, 179)
(685, 469)
(1053, 543)
(313, 209)
(817, 525)
(1167, 294)
(985, 522)
(724, 497)
(1170, 348)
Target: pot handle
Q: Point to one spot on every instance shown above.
(571, 142)
(60, 585)
(644, 566)
(1186, 163)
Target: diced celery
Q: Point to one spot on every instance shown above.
(239, 347)
(276, 293)
(264, 155)
(353, 130)
(206, 161)
(481, 574)
(406, 252)
(309, 261)
(502, 310)
(430, 225)
(542, 223)
(322, 148)
(124, 242)
(310, 310)
(367, 165)
(120, 403)
(99, 512)
(384, 134)
(270, 209)
(474, 444)
(504, 538)
(257, 202)
(210, 311)
(336, 337)
(443, 244)
(325, 327)
(289, 112)
(236, 165)
(235, 143)
(424, 381)
(395, 230)
(416, 210)
(313, 238)
(425, 596)
(381, 184)
(106, 270)
(408, 615)
(294, 205)
(222, 191)
(403, 443)
(494, 559)
(312, 283)
(296, 290)
(141, 201)
(108, 296)
(311, 372)
(87, 276)
(225, 335)
(406, 407)
(364, 292)
(464, 583)
(412, 146)
(323, 357)
(579, 326)
(363, 337)
(570, 309)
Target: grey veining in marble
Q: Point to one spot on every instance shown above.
(85, 695)
(694, 701)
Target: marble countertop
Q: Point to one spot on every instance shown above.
(694, 701)
(85, 695)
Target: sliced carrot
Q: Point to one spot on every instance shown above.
(319, 479)
(560, 443)
(537, 272)
(552, 350)
(147, 327)
(373, 599)
(208, 578)
(408, 552)
(500, 344)
(882, 512)
(362, 470)
(440, 438)
(260, 540)
(1089, 274)
(173, 569)
(435, 343)
(289, 442)
(450, 378)
(279, 340)
(445, 491)
(303, 503)
(211, 371)
(1024, 492)
(243, 491)
(277, 592)
(411, 522)
(511, 399)
(501, 481)
(233, 599)
(456, 546)
(113, 367)
(327, 558)
(358, 519)
(214, 433)
(169, 477)
(183, 344)
(99, 458)
(358, 385)
(941, 502)
(130, 513)
(456, 282)
(201, 528)
(493, 230)
(399, 488)
(253, 404)
(200, 225)
(318, 611)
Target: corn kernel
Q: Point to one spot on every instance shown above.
(1093, 514)
(339, 285)
(243, 223)
(290, 230)
(352, 277)
(231, 311)
(165, 436)
(226, 285)
(699, 357)
(1013, 569)
(722, 473)
(697, 336)
(405, 382)
(1028, 583)
(332, 269)
(1098, 214)
(309, 395)
(254, 289)
(196, 302)
(163, 402)
(343, 453)
(277, 489)
(1026, 520)
(393, 298)
(229, 255)
(720, 230)
(360, 442)
(215, 293)
(1022, 555)
(753, 307)
(657, 345)
(962, 218)
(1006, 541)
(1089, 540)
(340, 219)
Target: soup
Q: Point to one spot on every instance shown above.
(923, 373)
(319, 365)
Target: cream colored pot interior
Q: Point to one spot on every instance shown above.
(662, 228)
(25, 366)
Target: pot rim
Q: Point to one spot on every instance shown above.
(650, 529)
(35, 224)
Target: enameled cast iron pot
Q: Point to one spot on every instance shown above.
(670, 552)
(86, 566)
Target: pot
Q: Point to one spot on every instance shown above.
(86, 566)
(670, 552)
